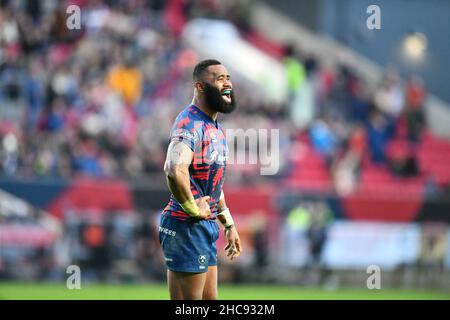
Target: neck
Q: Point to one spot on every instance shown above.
(200, 103)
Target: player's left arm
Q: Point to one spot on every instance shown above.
(233, 247)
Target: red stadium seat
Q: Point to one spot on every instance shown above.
(263, 43)
(434, 157)
(310, 171)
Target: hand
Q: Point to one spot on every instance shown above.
(233, 248)
(203, 205)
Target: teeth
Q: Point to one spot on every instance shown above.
(227, 92)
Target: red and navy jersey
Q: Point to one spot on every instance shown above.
(207, 171)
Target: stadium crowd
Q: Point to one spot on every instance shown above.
(100, 100)
(97, 101)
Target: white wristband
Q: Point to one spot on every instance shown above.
(228, 218)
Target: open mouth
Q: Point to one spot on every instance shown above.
(226, 95)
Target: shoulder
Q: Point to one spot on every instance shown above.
(187, 119)
(188, 127)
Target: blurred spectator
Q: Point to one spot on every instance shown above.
(260, 239)
(97, 262)
(405, 166)
(9, 154)
(53, 117)
(432, 190)
(300, 92)
(148, 252)
(323, 138)
(415, 97)
(295, 236)
(359, 101)
(346, 170)
(377, 137)
(34, 91)
(126, 80)
(321, 217)
(86, 159)
(389, 98)
(432, 252)
(295, 70)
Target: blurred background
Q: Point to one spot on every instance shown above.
(363, 115)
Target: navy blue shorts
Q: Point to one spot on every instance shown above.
(188, 246)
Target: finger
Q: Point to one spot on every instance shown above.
(202, 200)
(227, 246)
(234, 255)
(237, 244)
(231, 251)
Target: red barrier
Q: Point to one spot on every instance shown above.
(90, 194)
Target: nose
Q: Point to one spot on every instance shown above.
(227, 83)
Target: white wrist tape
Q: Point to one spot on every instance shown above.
(228, 218)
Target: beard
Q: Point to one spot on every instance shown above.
(215, 101)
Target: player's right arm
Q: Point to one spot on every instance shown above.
(179, 157)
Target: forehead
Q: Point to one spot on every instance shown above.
(217, 70)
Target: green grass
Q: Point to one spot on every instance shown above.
(54, 291)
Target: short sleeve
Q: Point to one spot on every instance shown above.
(184, 131)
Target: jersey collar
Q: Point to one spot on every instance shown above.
(204, 115)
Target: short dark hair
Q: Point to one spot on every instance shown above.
(202, 66)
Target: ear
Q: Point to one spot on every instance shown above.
(199, 86)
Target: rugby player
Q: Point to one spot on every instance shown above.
(195, 169)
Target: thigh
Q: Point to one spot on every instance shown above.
(210, 288)
(174, 286)
(186, 285)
